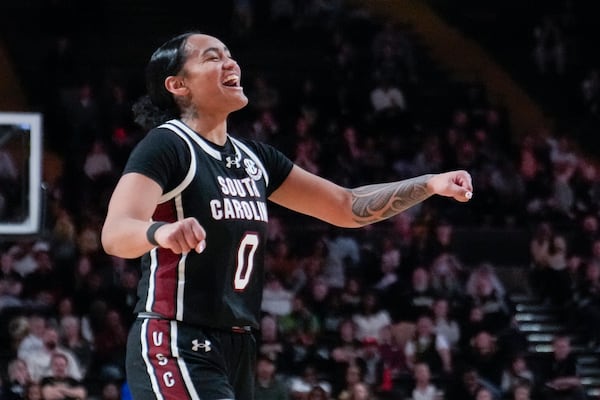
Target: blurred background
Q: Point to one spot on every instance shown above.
(358, 92)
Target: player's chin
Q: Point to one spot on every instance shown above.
(240, 102)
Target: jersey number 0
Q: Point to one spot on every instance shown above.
(245, 260)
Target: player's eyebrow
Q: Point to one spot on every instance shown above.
(216, 50)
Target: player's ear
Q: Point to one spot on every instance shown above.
(176, 85)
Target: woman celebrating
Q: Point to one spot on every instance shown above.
(192, 201)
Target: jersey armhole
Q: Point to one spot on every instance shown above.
(191, 170)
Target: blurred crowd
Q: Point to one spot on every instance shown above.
(385, 312)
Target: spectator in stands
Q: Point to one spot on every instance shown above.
(429, 156)
(24, 261)
(359, 391)
(280, 261)
(371, 317)
(34, 341)
(516, 373)
(467, 386)
(424, 388)
(390, 263)
(299, 321)
(33, 392)
(311, 263)
(558, 376)
(442, 241)
(485, 293)
(349, 154)
(343, 256)
(45, 281)
(277, 300)
(11, 292)
(306, 155)
(371, 362)
(444, 322)
(391, 348)
(346, 349)
(98, 163)
(331, 317)
(300, 331)
(318, 393)
(59, 385)
(389, 104)
(39, 361)
(265, 127)
(550, 257)
(301, 385)
(487, 358)
(71, 338)
(484, 394)
(416, 299)
(521, 391)
(584, 234)
(268, 384)
(429, 347)
(447, 278)
(14, 388)
(270, 345)
(534, 168)
(586, 304)
(109, 346)
(110, 390)
(63, 239)
(319, 297)
(351, 296)
(353, 376)
(83, 108)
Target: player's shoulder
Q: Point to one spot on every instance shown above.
(162, 136)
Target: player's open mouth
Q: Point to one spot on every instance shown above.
(232, 81)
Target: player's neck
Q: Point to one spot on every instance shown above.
(213, 130)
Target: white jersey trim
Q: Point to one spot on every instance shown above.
(151, 279)
(149, 367)
(201, 142)
(187, 380)
(191, 171)
(180, 266)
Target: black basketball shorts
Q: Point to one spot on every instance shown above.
(169, 360)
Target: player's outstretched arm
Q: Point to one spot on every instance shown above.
(320, 198)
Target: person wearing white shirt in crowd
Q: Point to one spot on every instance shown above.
(424, 389)
(34, 340)
(371, 318)
(443, 322)
(277, 300)
(39, 362)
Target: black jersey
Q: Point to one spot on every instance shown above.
(226, 189)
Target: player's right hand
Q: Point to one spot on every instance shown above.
(182, 236)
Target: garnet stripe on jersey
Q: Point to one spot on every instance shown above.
(166, 273)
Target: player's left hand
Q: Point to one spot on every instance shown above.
(456, 184)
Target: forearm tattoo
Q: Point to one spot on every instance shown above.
(377, 202)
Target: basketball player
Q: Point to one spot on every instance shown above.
(192, 201)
